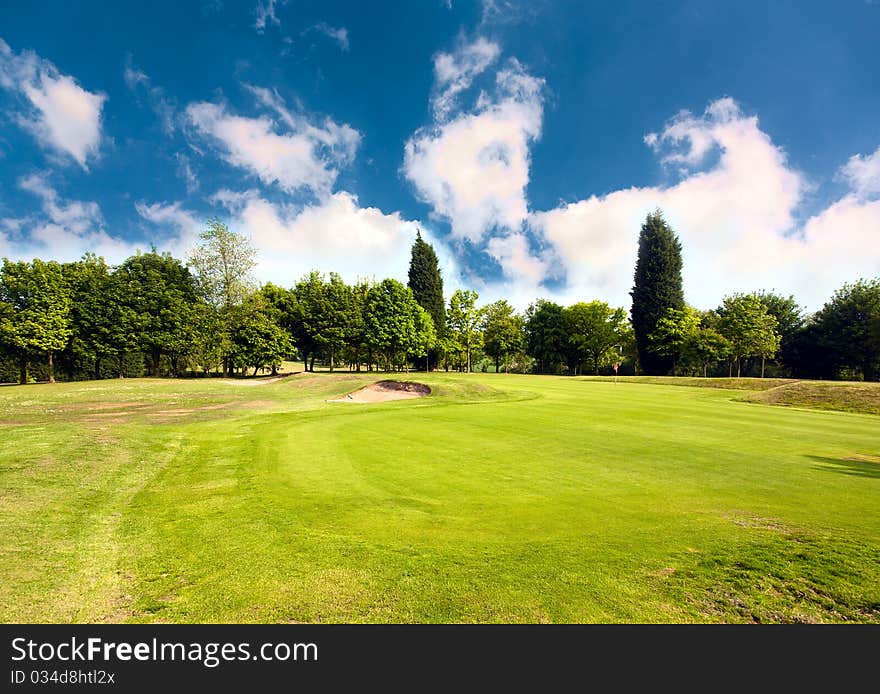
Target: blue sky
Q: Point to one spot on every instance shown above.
(526, 139)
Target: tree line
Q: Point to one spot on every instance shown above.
(156, 315)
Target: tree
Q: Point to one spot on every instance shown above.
(706, 346)
(673, 332)
(103, 323)
(463, 319)
(424, 336)
(222, 264)
(594, 330)
(159, 293)
(657, 287)
(37, 317)
(848, 327)
(749, 328)
(545, 333)
(426, 282)
(257, 341)
(502, 332)
(308, 321)
(789, 320)
(390, 320)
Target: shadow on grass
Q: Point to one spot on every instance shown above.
(857, 465)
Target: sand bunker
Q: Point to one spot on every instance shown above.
(386, 390)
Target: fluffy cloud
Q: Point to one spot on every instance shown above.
(63, 229)
(736, 220)
(736, 201)
(455, 72)
(335, 234)
(307, 156)
(60, 114)
(474, 168)
(180, 228)
(863, 174)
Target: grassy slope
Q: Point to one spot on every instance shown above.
(499, 498)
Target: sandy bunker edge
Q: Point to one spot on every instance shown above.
(383, 391)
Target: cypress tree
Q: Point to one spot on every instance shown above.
(657, 287)
(426, 283)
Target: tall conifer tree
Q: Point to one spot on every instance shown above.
(426, 284)
(657, 287)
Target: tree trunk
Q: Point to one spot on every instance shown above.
(762, 366)
(121, 366)
(496, 364)
(97, 368)
(729, 368)
(51, 368)
(596, 364)
(705, 368)
(426, 364)
(738, 367)
(256, 368)
(23, 371)
(331, 362)
(274, 369)
(312, 364)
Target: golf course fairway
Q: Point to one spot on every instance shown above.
(496, 498)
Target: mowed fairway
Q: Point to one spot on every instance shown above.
(497, 498)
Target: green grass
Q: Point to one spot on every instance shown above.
(497, 498)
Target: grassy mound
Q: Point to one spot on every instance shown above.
(819, 395)
(726, 383)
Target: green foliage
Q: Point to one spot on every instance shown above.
(159, 294)
(221, 265)
(657, 288)
(849, 328)
(392, 318)
(257, 341)
(426, 282)
(750, 329)
(502, 332)
(36, 316)
(594, 333)
(673, 331)
(463, 320)
(545, 333)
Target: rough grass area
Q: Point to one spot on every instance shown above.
(500, 498)
(693, 382)
(844, 397)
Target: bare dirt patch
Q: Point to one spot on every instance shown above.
(257, 381)
(384, 391)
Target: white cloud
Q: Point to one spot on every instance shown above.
(335, 234)
(736, 221)
(337, 34)
(473, 169)
(455, 72)
(60, 114)
(863, 173)
(264, 14)
(139, 83)
(305, 157)
(63, 230)
(186, 172)
(181, 228)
